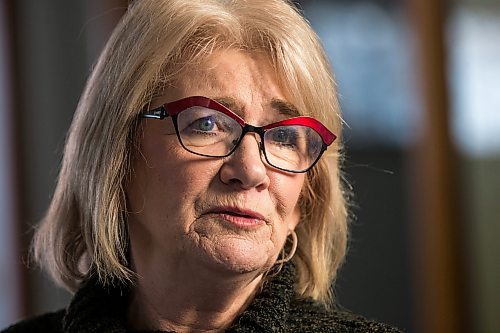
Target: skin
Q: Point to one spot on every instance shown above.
(199, 261)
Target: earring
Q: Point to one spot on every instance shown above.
(278, 264)
(292, 250)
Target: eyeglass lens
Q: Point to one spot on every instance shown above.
(212, 133)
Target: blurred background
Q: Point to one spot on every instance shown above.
(419, 82)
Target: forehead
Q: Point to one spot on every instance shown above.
(242, 81)
(231, 71)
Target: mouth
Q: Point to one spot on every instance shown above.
(242, 218)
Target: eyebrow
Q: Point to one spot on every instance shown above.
(229, 103)
(283, 107)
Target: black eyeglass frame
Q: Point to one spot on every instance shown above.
(173, 109)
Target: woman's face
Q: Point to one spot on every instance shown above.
(230, 214)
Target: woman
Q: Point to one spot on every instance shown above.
(193, 195)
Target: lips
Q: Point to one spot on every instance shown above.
(244, 218)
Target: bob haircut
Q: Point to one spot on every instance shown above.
(85, 228)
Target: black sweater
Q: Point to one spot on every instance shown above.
(275, 309)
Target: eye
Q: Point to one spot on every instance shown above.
(201, 121)
(204, 124)
(283, 136)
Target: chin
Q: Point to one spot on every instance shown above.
(236, 255)
(224, 247)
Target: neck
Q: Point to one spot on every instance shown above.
(207, 303)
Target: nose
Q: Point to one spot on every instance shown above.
(244, 168)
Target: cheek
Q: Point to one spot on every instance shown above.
(162, 197)
(286, 192)
(151, 180)
(186, 179)
(174, 179)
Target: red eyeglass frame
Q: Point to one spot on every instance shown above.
(176, 107)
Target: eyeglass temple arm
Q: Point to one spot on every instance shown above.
(158, 113)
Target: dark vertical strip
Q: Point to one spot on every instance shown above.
(437, 225)
(20, 269)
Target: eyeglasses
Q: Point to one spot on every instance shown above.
(207, 128)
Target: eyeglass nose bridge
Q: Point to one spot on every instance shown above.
(252, 129)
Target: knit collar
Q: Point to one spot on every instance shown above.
(95, 308)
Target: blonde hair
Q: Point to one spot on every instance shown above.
(85, 228)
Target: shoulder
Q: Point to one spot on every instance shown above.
(49, 322)
(309, 316)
